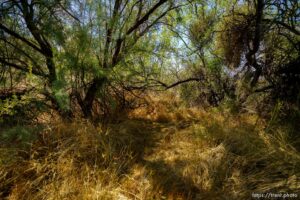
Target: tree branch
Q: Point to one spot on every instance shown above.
(16, 35)
(293, 30)
(178, 82)
(22, 68)
(145, 17)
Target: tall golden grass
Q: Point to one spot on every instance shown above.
(163, 151)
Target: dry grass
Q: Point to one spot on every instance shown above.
(68, 161)
(165, 151)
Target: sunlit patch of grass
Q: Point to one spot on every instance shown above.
(218, 155)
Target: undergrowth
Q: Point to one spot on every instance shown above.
(163, 151)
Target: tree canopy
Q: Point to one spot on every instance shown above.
(78, 56)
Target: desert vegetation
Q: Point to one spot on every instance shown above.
(149, 99)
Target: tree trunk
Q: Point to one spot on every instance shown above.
(87, 104)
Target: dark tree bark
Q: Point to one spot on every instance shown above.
(250, 56)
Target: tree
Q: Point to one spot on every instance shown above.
(72, 47)
(25, 35)
(255, 38)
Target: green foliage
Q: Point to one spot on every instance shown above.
(9, 105)
(202, 30)
(20, 135)
(62, 97)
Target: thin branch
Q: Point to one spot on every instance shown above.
(22, 68)
(68, 12)
(293, 30)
